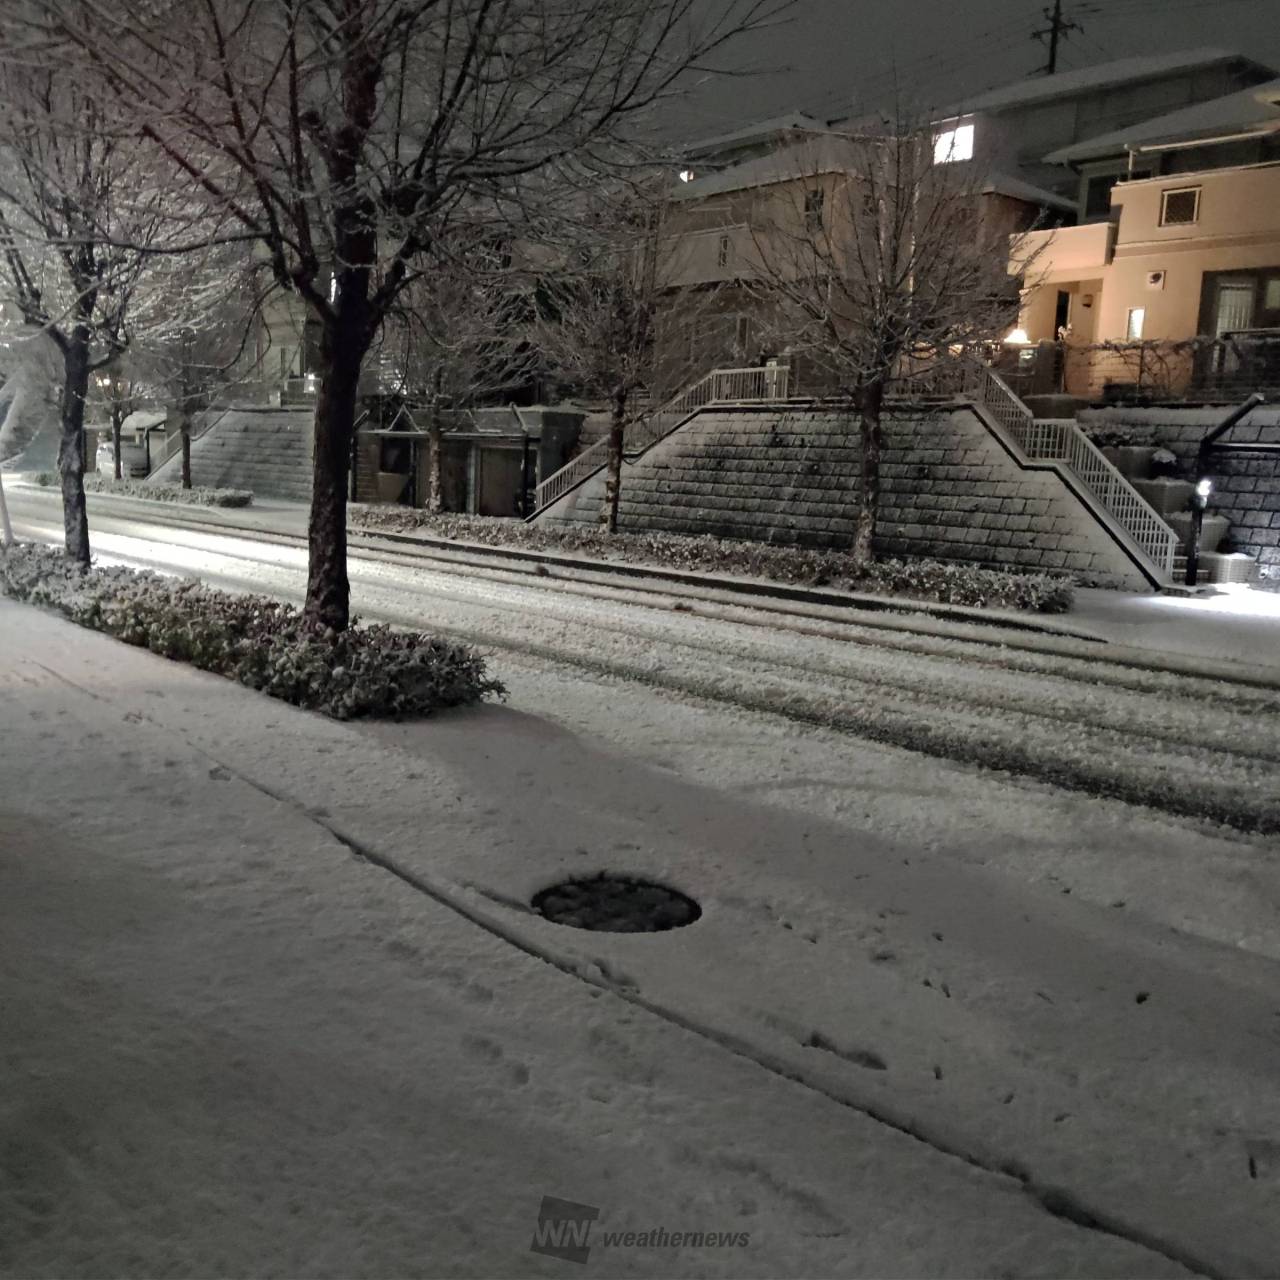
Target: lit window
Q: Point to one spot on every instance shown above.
(954, 144)
(1180, 208)
(1137, 319)
(686, 175)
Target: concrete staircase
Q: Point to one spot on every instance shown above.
(1171, 498)
(266, 450)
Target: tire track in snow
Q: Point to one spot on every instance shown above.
(1193, 748)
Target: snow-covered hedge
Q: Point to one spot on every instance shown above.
(366, 671)
(94, 482)
(945, 582)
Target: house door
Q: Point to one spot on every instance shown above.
(1233, 307)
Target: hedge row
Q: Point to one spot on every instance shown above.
(96, 482)
(945, 582)
(365, 671)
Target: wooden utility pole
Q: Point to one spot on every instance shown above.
(1054, 34)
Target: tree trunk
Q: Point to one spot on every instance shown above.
(870, 400)
(184, 429)
(75, 516)
(613, 468)
(435, 459)
(328, 590)
(6, 529)
(117, 424)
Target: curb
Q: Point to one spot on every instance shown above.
(755, 587)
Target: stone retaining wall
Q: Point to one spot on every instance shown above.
(791, 475)
(1246, 489)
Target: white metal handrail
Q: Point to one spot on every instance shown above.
(173, 443)
(720, 386)
(1061, 440)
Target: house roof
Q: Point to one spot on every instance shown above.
(1067, 84)
(1255, 108)
(756, 132)
(823, 153)
(1005, 184)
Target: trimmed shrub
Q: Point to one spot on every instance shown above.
(365, 671)
(940, 581)
(94, 482)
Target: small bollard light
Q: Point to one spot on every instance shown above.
(1199, 500)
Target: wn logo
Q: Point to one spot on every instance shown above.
(563, 1229)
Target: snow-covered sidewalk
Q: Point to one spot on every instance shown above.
(234, 1048)
(1228, 625)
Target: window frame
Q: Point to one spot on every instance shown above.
(952, 153)
(1166, 192)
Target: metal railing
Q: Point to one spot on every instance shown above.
(720, 386)
(1187, 371)
(171, 445)
(1061, 440)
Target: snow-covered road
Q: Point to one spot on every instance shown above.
(1190, 746)
(1062, 990)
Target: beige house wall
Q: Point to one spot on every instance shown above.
(1238, 228)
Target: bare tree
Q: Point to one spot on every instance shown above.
(114, 394)
(456, 338)
(872, 256)
(610, 323)
(199, 312)
(78, 217)
(340, 132)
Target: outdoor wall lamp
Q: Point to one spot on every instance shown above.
(1199, 500)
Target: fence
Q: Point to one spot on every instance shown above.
(1226, 368)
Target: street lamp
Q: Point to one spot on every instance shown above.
(1199, 500)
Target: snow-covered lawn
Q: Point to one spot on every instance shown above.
(242, 1050)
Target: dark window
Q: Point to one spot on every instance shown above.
(722, 252)
(1180, 208)
(1097, 199)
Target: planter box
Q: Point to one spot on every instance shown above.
(1168, 497)
(1133, 461)
(1211, 533)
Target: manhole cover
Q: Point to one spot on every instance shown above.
(616, 904)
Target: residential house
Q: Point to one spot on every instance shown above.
(1178, 290)
(1016, 129)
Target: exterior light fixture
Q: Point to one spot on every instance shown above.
(1199, 500)
(1018, 338)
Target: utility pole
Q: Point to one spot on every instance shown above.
(1053, 35)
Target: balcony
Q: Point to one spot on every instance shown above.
(1065, 254)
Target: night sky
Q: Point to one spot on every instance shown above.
(839, 57)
